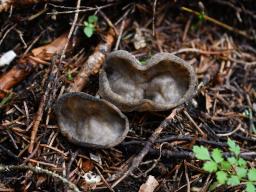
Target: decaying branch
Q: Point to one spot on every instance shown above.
(219, 23)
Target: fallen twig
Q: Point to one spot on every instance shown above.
(148, 145)
(203, 52)
(184, 154)
(71, 30)
(8, 168)
(219, 23)
(173, 138)
(38, 117)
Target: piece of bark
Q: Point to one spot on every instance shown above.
(27, 63)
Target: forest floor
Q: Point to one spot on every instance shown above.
(52, 44)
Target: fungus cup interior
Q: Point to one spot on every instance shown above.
(165, 80)
(88, 121)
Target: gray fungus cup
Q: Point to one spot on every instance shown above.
(91, 122)
(164, 82)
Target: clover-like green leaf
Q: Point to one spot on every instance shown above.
(233, 180)
(252, 174)
(210, 166)
(201, 153)
(92, 19)
(250, 187)
(241, 162)
(241, 172)
(217, 155)
(233, 147)
(88, 31)
(214, 185)
(221, 177)
(86, 23)
(232, 161)
(91, 25)
(225, 165)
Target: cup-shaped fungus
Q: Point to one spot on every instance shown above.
(91, 122)
(164, 82)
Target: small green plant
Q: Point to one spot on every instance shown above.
(228, 171)
(201, 16)
(90, 25)
(69, 75)
(200, 20)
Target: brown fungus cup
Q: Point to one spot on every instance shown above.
(91, 122)
(164, 82)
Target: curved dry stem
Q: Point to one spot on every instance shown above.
(36, 169)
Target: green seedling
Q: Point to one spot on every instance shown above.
(232, 170)
(199, 22)
(201, 16)
(69, 75)
(90, 25)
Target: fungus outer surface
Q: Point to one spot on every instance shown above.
(88, 121)
(164, 82)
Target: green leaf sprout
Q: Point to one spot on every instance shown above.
(230, 170)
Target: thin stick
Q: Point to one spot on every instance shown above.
(187, 177)
(219, 23)
(104, 180)
(187, 26)
(154, 15)
(120, 35)
(40, 111)
(203, 52)
(71, 30)
(8, 168)
(229, 133)
(7, 31)
(194, 123)
(138, 158)
(110, 24)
